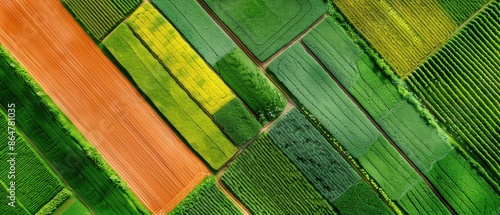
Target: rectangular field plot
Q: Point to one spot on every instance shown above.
(207, 199)
(399, 29)
(99, 17)
(460, 84)
(267, 182)
(421, 142)
(193, 74)
(197, 27)
(313, 155)
(367, 201)
(172, 101)
(266, 26)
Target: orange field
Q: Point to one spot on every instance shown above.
(100, 101)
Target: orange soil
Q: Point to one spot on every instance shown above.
(100, 101)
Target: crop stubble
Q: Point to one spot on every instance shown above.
(100, 101)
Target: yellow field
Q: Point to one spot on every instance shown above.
(404, 32)
(181, 60)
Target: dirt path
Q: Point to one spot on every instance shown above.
(446, 40)
(100, 101)
(391, 141)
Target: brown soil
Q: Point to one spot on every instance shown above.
(100, 101)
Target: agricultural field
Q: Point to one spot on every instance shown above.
(193, 74)
(99, 17)
(169, 98)
(206, 198)
(266, 181)
(251, 107)
(398, 29)
(266, 26)
(460, 85)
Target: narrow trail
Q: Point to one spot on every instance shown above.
(51, 166)
(386, 136)
(440, 45)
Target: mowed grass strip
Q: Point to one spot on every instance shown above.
(35, 183)
(99, 17)
(460, 85)
(313, 155)
(399, 30)
(252, 85)
(267, 182)
(206, 198)
(193, 74)
(265, 26)
(61, 144)
(201, 133)
(197, 27)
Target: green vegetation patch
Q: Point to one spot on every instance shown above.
(237, 122)
(361, 199)
(421, 200)
(313, 155)
(99, 17)
(421, 142)
(324, 99)
(63, 147)
(459, 84)
(207, 199)
(197, 27)
(463, 187)
(35, 184)
(461, 10)
(55, 202)
(172, 101)
(267, 25)
(251, 85)
(267, 182)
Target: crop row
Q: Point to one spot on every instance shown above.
(35, 183)
(460, 10)
(390, 107)
(267, 182)
(399, 29)
(193, 74)
(206, 198)
(100, 17)
(57, 139)
(172, 101)
(459, 85)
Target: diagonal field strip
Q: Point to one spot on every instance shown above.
(446, 40)
(391, 141)
(99, 100)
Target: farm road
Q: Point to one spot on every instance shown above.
(100, 101)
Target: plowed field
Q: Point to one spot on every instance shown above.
(100, 101)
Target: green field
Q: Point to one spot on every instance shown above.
(251, 85)
(170, 99)
(197, 28)
(61, 144)
(206, 199)
(193, 74)
(265, 26)
(313, 155)
(346, 61)
(422, 200)
(463, 187)
(460, 10)
(366, 200)
(35, 184)
(99, 17)
(459, 84)
(267, 182)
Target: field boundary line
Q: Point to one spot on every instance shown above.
(442, 44)
(382, 131)
(53, 168)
